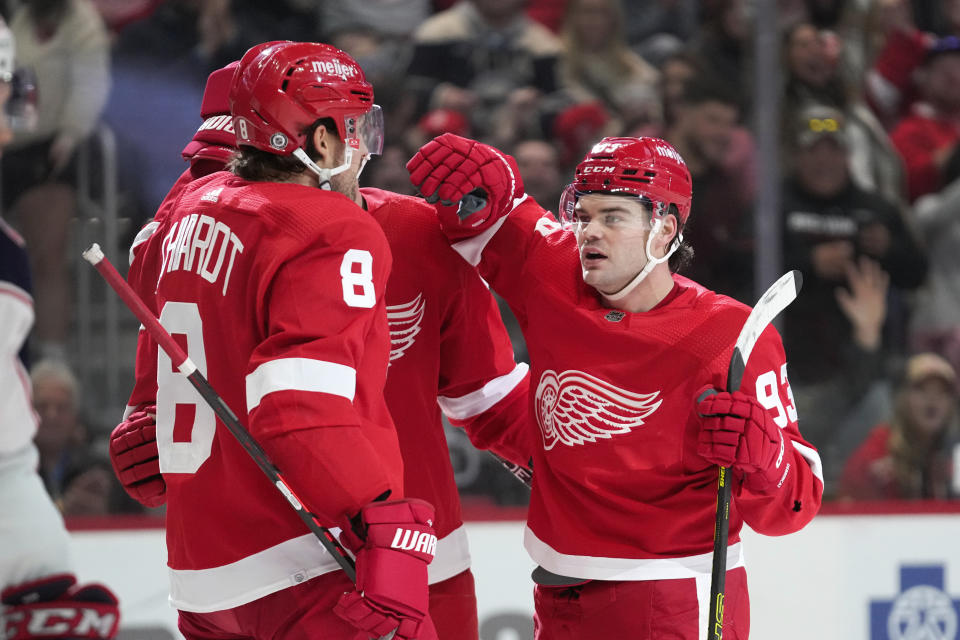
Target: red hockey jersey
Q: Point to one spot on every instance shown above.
(277, 291)
(449, 351)
(619, 491)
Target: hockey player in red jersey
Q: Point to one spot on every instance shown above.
(624, 495)
(449, 352)
(274, 279)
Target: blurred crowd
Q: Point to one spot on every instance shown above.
(870, 196)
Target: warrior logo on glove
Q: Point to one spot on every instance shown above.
(410, 540)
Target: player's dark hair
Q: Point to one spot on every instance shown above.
(683, 256)
(253, 164)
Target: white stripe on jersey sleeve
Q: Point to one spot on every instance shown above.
(478, 401)
(300, 374)
(142, 236)
(812, 458)
(452, 558)
(472, 248)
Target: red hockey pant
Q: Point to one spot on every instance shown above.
(453, 608)
(642, 610)
(303, 612)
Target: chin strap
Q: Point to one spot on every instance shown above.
(326, 174)
(647, 268)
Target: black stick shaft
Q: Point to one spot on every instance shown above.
(774, 300)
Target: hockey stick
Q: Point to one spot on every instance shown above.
(95, 256)
(780, 294)
(520, 472)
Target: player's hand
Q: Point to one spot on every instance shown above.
(736, 431)
(393, 542)
(472, 184)
(135, 458)
(86, 611)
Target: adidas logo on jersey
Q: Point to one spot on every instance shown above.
(212, 196)
(412, 540)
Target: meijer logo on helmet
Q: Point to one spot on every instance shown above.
(668, 152)
(333, 67)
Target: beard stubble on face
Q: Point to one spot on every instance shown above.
(621, 266)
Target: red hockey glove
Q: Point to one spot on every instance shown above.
(56, 607)
(736, 431)
(395, 544)
(135, 459)
(474, 183)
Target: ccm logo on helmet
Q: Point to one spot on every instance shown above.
(599, 169)
(333, 68)
(408, 539)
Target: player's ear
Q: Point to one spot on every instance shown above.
(668, 226)
(323, 143)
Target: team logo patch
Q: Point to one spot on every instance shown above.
(404, 320)
(615, 316)
(278, 141)
(575, 408)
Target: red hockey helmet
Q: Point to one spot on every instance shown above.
(282, 87)
(643, 167)
(215, 139)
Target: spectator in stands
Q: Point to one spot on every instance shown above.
(723, 42)
(388, 171)
(657, 28)
(161, 63)
(913, 454)
(829, 224)
(481, 54)
(77, 476)
(65, 43)
(935, 323)
(576, 129)
(812, 65)
(597, 64)
(61, 435)
(378, 34)
(539, 163)
(675, 72)
(898, 48)
(720, 154)
(928, 136)
(91, 489)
